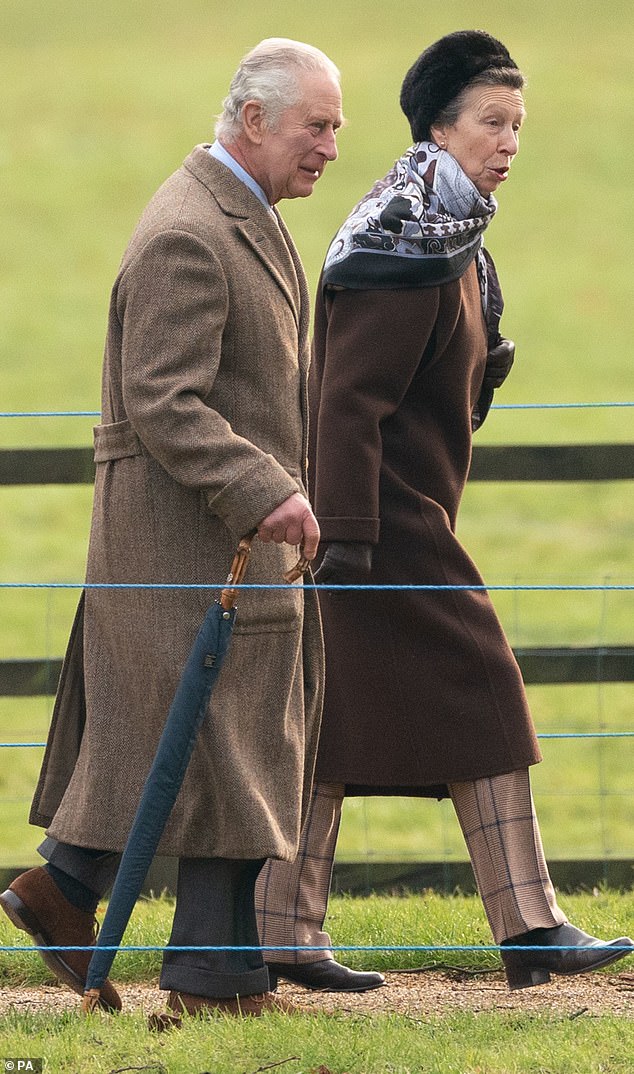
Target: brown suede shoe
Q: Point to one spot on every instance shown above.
(34, 903)
(183, 1003)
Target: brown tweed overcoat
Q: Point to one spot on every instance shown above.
(204, 433)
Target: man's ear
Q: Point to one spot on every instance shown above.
(253, 121)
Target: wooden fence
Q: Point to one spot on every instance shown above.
(540, 665)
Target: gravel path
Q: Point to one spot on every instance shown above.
(417, 995)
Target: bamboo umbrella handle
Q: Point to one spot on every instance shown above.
(236, 574)
(298, 570)
(229, 594)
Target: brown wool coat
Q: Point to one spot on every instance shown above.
(421, 687)
(204, 433)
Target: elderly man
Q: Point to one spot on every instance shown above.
(203, 440)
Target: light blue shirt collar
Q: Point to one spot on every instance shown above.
(220, 153)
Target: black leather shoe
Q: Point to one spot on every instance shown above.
(324, 976)
(533, 967)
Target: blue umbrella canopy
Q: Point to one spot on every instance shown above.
(166, 775)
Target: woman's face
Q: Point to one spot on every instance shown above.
(485, 137)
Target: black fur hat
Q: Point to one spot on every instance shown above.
(443, 70)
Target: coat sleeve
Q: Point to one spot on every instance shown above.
(172, 305)
(373, 343)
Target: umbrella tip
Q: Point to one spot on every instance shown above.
(90, 1000)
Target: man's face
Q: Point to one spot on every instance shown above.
(291, 158)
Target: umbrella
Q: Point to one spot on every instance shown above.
(166, 775)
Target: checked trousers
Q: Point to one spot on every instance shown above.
(501, 831)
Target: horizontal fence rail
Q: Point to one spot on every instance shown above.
(515, 462)
(539, 666)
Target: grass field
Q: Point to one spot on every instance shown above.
(101, 102)
(505, 1041)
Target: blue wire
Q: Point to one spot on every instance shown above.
(554, 734)
(553, 406)
(333, 947)
(495, 406)
(50, 414)
(307, 585)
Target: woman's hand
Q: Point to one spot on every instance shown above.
(499, 362)
(345, 563)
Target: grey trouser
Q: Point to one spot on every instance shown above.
(501, 831)
(214, 907)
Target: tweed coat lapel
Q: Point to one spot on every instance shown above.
(267, 243)
(304, 297)
(263, 232)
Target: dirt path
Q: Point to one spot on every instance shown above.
(418, 995)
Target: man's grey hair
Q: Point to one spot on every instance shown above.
(270, 73)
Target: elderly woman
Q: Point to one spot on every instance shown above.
(423, 694)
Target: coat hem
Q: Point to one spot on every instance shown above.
(437, 788)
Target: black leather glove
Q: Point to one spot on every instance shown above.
(499, 361)
(345, 563)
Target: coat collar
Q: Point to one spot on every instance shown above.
(263, 230)
(234, 198)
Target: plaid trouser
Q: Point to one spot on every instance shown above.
(501, 831)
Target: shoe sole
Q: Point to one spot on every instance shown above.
(23, 919)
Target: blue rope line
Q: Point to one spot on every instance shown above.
(495, 406)
(321, 586)
(20, 745)
(584, 734)
(553, 406)
(333, 947)
(50, 414)
(567, 734)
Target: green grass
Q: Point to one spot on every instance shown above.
(100, 102)
(461, 1043)
(494, 1042)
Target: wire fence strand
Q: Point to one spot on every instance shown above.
(495, 406)
(309, 947)
(484, 588)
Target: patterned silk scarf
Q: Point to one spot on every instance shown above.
(420, 226)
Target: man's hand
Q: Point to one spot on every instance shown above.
(293, 522)
(499, 362)
(345, 563)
